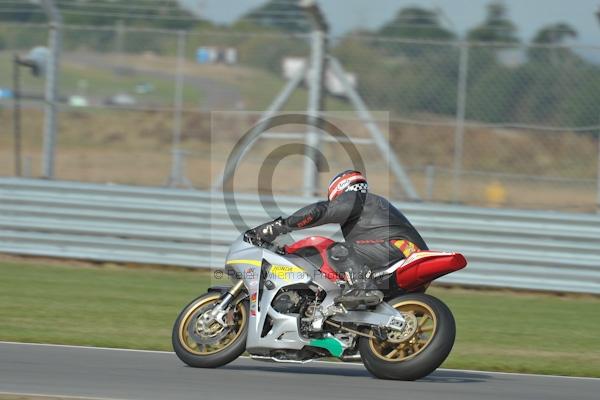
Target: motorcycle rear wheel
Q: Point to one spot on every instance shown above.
(418, 352)
(231, 343)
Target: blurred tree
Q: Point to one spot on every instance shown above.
(25, 11)
(158, 13)
(402, 85)
(484, 64)
(416, 23)
(579, 107)
(166, 14)
(267, 52)
(284, 15)
(543, 91)
(494, 96)
(496, 27)
(553, 35)
(357, 52)
(413, 23)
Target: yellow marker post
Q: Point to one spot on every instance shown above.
(495, 194)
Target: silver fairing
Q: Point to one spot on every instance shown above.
(244, 261)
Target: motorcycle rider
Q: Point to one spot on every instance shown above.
(376, 233)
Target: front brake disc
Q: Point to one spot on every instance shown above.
(205, 332)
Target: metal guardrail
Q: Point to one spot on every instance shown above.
(505, 248)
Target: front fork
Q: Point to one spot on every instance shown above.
(231, 294)
(218, 312)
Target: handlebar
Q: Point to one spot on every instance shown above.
(251, 237)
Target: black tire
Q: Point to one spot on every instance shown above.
(219, 358)
(428, 359)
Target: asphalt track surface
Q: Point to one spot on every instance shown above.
(125, 374)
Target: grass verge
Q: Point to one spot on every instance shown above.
(134, 308)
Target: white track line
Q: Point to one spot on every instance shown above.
(62, 396)
(316, 361)
(87, 347)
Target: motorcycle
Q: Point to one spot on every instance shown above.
(283, 308)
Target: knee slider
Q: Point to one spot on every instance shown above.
(339, 252)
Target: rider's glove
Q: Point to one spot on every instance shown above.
(269, 231)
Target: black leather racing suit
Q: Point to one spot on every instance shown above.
(369, 224)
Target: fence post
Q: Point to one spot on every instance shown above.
(315, 94)
(50, 119)
(598, 176)
(379, 138)
(459, 131)
(119, 36)
(176, 177)
(429, 181)
(17, 114)
(258, 129)
(121, 67)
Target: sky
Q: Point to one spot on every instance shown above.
(345, 15)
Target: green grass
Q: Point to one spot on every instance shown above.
(104, 83)
(258, 88)
(259, 92)
(101, 83)
(536, 333)
(112, 307)
(135, 308)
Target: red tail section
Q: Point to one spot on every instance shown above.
(425, 266)
(414, 272)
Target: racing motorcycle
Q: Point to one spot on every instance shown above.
(282, 307)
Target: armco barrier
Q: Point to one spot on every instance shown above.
(505, 248)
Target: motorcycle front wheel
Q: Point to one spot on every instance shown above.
(209, 346)
(420, 348)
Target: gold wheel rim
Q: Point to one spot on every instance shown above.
(240, 317)
(417, 342)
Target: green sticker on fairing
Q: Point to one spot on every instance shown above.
(332, 345)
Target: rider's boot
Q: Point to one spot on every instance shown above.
(361, 291)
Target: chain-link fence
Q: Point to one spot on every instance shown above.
(483, 124)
